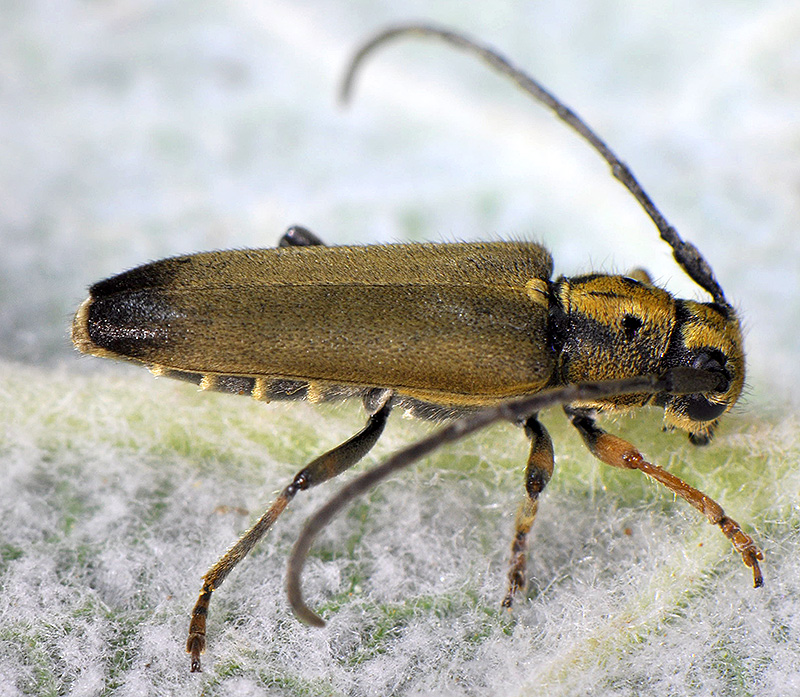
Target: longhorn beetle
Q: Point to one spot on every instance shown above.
(470, 333)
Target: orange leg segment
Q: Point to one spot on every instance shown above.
(617, 452)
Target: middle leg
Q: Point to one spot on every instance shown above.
(537, 474)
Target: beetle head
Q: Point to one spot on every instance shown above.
(707, 337)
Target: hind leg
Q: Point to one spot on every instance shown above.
(326, 466)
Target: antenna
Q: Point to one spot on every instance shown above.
(685, 253)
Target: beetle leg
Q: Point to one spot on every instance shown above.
(298, 236)
(325, 467)
(617, 452)
(537, 474)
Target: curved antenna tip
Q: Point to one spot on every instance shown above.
(295, 593)
(346, 88)
(307, 615)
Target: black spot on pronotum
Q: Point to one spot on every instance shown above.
(630, 325)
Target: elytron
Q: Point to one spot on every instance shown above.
(467, 333)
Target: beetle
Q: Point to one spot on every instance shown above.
(467, 333)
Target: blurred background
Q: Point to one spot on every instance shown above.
(137, 130)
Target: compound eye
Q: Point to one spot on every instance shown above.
(714, 362)
(698, 408)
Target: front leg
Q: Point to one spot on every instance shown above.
(617, 452)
